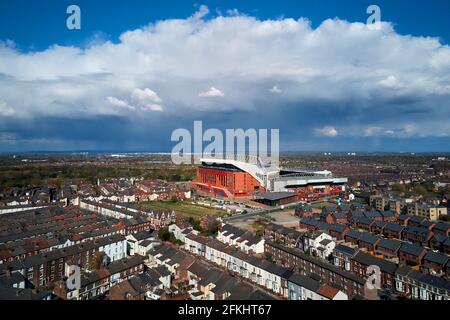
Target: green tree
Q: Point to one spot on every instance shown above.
(213, 227)
(164, 234)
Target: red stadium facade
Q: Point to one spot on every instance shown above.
(229, 178)
(226, 181)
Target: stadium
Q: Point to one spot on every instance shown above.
(249, 176)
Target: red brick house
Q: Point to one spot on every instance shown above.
(353, 236)
(338, 231)
(411, 254)
(442, 228)
(368, 241)
(393, 230)
(435, 262)
(387, 248)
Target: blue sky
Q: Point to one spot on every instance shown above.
(139, 69)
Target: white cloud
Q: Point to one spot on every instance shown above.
(202, 12)
(115, 102)
(152, 107)
(147, 99)
(212, 92)
(145, 95)
(327, 131)
(390, 82)
(233, 12)
(348, 65)
(275, 89)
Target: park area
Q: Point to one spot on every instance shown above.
(184, 208)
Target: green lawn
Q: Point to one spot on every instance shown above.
(323, 204)
(185, 208)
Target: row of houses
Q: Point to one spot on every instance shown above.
(402, 280)
(307, 265)
(95, 283)
(385, 247)
(210, 283)
(152, 284)
(49, 267)
(280, 234)
(61, 228)
(258, 271)
(241, 239)
(133, 219)
(265, 274)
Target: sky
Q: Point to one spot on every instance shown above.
(138, 70)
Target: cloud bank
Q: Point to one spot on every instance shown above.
(341, 78)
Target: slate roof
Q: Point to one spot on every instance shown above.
(336, 227)
(403, 217)
(325, 242)
(408, 272)
(347, 250)
(228, 229)
(411, 249)
(320, 263)
(416, 219)
(143, 235)
(379, 224)
(224, 284)
(199, 269)
(427, 224)
(339, 215)
(434, 281)
(305, 282)
(389, 244)
(369, 238)
(354, 234)
(442, 226)
(387, 213)
(418, 231)
(436, 237)
(393, 227)
(435, 257)
(241, 291)
(372, 214)
(274, 196)
(363, 220)
(368, 259)
(124, 264)
(8, 293)
(211, 276)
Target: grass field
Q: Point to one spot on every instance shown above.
(319, 205)
(185, 208)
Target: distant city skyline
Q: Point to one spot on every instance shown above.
(137, 71)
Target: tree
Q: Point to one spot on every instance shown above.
(213, 226)
(164, 234)
(420, 190)
(259, 232)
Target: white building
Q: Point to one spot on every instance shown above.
(319, 243)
